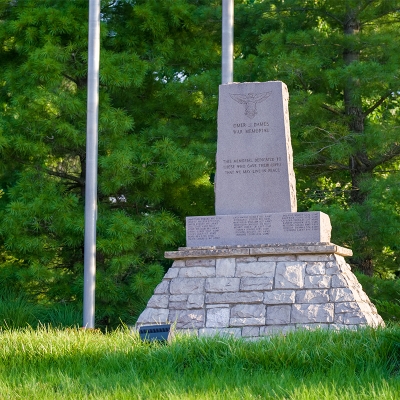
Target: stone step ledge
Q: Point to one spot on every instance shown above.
(270, 249)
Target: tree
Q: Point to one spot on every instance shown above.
(340, 62)
(156, 144)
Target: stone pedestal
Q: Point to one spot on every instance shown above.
(260, 290)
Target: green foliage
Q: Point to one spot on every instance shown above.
(156, 145)
(17, 312)
(385, 294)
(62, 316)
(303, 365)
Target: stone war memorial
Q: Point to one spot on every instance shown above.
(258, 266)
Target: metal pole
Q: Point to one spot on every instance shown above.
(91, 164)
(227, 41)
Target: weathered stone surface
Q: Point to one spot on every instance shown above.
(315, 268)
(247, 321)
(312, 249)
(339, 281)
(312, 313)
(350, 306)
(200, 262)
(353, 318)
(317, 281)
(341, 294)
(214, 305)
(178, 264)
(276, 329)
(274, 258)
(254, 154)
(341, 262)
(292, 249)
(187, 319)
(312, 327)
(248, 311)
(312, 296)
(350, 279)
(162, 288)
(278, 315)
(158, 301)
(235, 332)
(266, 269)
(217, 318)
(246, 259)
(332, 268)
(177, 305)
(153, 316)
(338, 327)
(280, 297)
(177, 301)
(178, 297)
(187, 285)
(197, 272)
(250, 331)
(342, 252)
(208, 251)
(290, 275)
(254, 284)
(242, 297)
(172, 273)
(226, 267)
(314, 257)
(195, 301)
(221, 285)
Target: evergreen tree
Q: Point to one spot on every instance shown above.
(340, 61)
(156, 144)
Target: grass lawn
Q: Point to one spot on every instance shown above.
(76, 364)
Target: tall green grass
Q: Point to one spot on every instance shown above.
(76, 364)
(16, 311)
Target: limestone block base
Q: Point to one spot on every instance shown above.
(261, 290)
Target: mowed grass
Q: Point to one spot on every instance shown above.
(76, 364)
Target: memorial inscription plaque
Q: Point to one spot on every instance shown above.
(254, 152)
(256, 229)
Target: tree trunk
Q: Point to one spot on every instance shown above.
(359, 162)
(366, 266)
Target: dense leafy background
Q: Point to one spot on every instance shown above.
(160, 70)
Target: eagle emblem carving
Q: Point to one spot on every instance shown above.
(250, 101)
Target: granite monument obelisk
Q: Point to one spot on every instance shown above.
(258, 267)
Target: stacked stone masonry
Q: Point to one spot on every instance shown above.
(253, 296)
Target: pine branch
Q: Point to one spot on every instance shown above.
(64, 175)
(377, 104)
(383, 13)
(367, 3)
(331, 109)
(388, 156)
(71, 79)
(333, 167)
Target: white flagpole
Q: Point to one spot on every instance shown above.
(227, 41)
(91, 164)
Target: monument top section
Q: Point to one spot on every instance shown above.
(254, 153)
